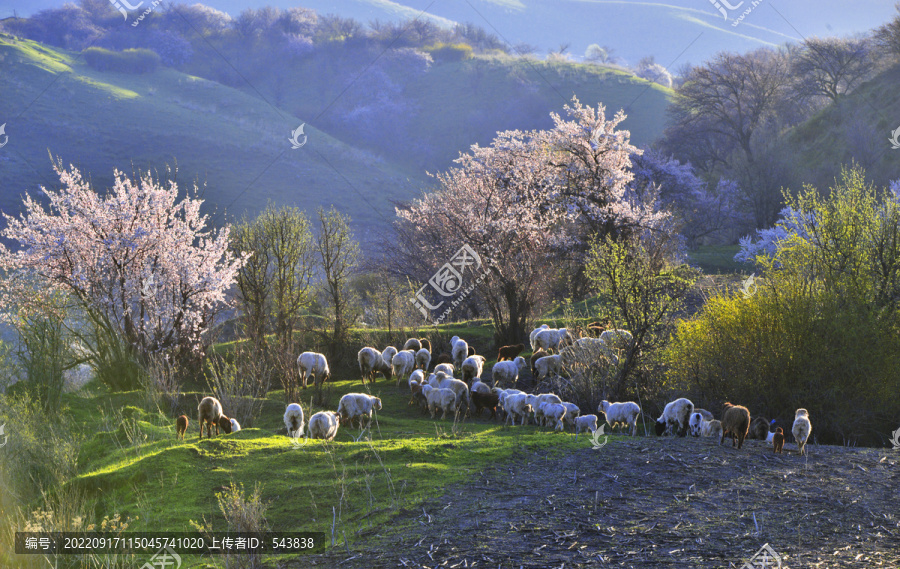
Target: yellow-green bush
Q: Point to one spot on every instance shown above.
(449, 51)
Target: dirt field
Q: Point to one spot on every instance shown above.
(648, 502)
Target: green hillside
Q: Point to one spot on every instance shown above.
(233, 142)
(856, 128)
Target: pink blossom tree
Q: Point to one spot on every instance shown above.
(522, 204)
(141, 264)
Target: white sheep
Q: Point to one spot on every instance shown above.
(459, 352)
(403, 364)
(546, 366)
(507, 372)
(293, 420)
(441, 398)
(417, 377)
(370, 362)
(516, 405)
(536, 402)
(675, 416)
(625, 413)
(480, 387)
(388, 354)
(616, 338)
(472, 368)
(312, 364)
(712, 428)
(548, 339)
(445, 368)
(587, 352)
(356, 406)
(324, 425)
(535, 333)
(460, 388)
(801, 429)
(585, 422)
(697, 419)
(413, 344)
(235, 426)
(572, 412)
(423, 359)
(554, 412)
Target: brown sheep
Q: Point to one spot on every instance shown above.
(535, 357)
(485, 401)
(225, 424)
(181, 425)
(444, 358)
(778, 440)
(510, 352)
(736, 423)
(759, 429)
(425, 343)
(209, 412)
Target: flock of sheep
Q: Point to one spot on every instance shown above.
(441, 391)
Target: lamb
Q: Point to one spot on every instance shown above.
(535, 333)
(225, 424)
(625, 413)
(370, 362)
(736, 423)
(547, 365)
(488, 400)
(181, 425)
(801, 429)
(440, 398)
(585, 422)
(315, 365)
(554, 412)
(472, 368)
(235, 426)
(759, 428)
(403, 364)
(675, 416)
(695, 424)
(507, 372)
(356, 406)
(778, 440)
(460, 388)
(572, 413)
(616, 338)
(538, 354)
(510, 352)
(426, 344)
(324, 425)
(445, 368)
(711, 429)
(516, 405)
(412, 344)
(423, 359)
(459, 352)
(536, 402)
(208, 413)
(293, 420)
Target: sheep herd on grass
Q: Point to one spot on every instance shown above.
(440, 392)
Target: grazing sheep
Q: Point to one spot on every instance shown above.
(388, 354)
(538, 354)
(324, 425)
(370, 363)
(585, 422)
(552, 339)
(507, 372)
(510, 352)
(547, 365)
(711, 429)
(536, 402)
(625, 413)
(481, 387)
(444, 358)
(675, 417)
(225, 425)
(315, 365)
(403, 364)
(516, 405)
(412, 344)
(617, 338)
(535, 333)
(554, 412)
(472, 368)
(181, 425)
(572, 413)
(440, 398)
(735, 423)
(460, 352)
(418, 396)
(426, 344)
(356, 406)
(460, 388)
(445, 368)
(695, 424)
(416, 377)
(759, 429)
(235, 426)
(707, 416)
(293, 420)
(801, 429)
(778, 440)
(208, 412)
(488, 400)
(423, 359)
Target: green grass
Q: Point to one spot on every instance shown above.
(717, 259)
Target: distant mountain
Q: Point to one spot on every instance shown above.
(673, 31)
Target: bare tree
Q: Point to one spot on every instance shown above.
(339, 254)
(887, 37)
(832, 67)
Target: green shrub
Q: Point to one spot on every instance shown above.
(449, 51)
(127, 61)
